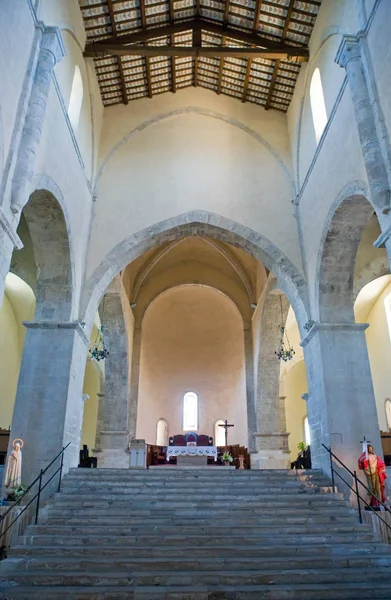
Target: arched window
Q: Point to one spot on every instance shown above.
(318, 107)
(219, 434)
(162, 433)
(190, 412)
(387, 406)
(387, 307)
(76, 98)
(307, 435)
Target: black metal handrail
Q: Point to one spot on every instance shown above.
(355, 489)
(38, 494)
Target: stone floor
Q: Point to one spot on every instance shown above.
(208, 534)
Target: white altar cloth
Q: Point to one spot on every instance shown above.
(192, 451)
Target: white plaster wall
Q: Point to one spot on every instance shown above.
(295, 406)
(16, 38)
(192, 161)
(192, 340)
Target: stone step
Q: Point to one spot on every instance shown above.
(209, 512)
(189, 563)
(229, 550)
(242, 520)
(198, 491)
(200, 540)
(271, 529)
(196, 578)
(331, 591)
(177, 471)
(146, 501)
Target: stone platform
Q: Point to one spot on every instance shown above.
(197, 534)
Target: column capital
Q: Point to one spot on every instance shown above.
(59, 325)
(349, 49)
(53, 42)
(318, 326)
(9, 230)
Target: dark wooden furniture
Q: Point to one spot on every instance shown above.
(4, 439)
(86, 461)
(192, 437)
(386, 446)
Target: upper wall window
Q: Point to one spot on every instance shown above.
(307, 434)
(219, 434)
(318, 106)
(387, 306)
(387, 406)
(190, 412)
(76, 98)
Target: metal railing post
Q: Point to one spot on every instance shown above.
(358, 496)
(38, 497)
(61, 465)
(332, 472)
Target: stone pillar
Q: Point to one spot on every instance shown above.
(135, 379)
(349, 57)
(114, 434)
(99, 422)
(48, 409)
(271, 439)
(250, 391)
(9, 240)
(52, 50)
(341, 404)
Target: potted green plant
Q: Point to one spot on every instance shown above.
(226, 458)
(302, 446)
(15, 492)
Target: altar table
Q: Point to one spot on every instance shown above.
(191, 451)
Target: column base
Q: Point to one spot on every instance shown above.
(272, 460)
(114, 453)
(272, 451)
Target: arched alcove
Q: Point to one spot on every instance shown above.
(192, 343)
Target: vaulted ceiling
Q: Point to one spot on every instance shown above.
(248, 49)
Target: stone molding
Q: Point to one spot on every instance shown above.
(349, 49)
(383, 238)
(7, 227)
(330, 327)
(53, 42)
(278, 434)
(56, 325)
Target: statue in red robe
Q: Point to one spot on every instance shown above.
(375, 472)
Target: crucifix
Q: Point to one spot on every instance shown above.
(226, 425)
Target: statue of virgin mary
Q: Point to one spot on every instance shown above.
(13, 472)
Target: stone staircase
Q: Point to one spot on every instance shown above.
(207, 534)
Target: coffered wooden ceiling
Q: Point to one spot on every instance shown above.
(248, 49)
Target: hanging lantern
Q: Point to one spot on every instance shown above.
(285, 351)
(99, 351)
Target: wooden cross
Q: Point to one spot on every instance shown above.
(226, 425)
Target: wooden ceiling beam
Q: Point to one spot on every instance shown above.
(119, 60)
(257, 15)
(223, 41)
(92, 48)
(172, 42)
(147, 65)
(277, 62)
(207, 51)
(197, 47)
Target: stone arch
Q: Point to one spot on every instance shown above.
(200, 223)
(50, 240)
(342, 233)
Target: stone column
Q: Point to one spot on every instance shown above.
(99, 422)
(135, 379)
(48, 409)
(341, 404)
(250, 392)
(349, 57)
(9, 240)
(114, 433)
(52, 50)
(271, 439)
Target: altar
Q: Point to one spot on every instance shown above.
(191, 455)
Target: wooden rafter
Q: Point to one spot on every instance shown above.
(197, 47)
(277, 62)
(172, 42)
(98, 48)
(257, 16)
(119, 59)
(223, 41)
(147, 65)
(196, 51)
